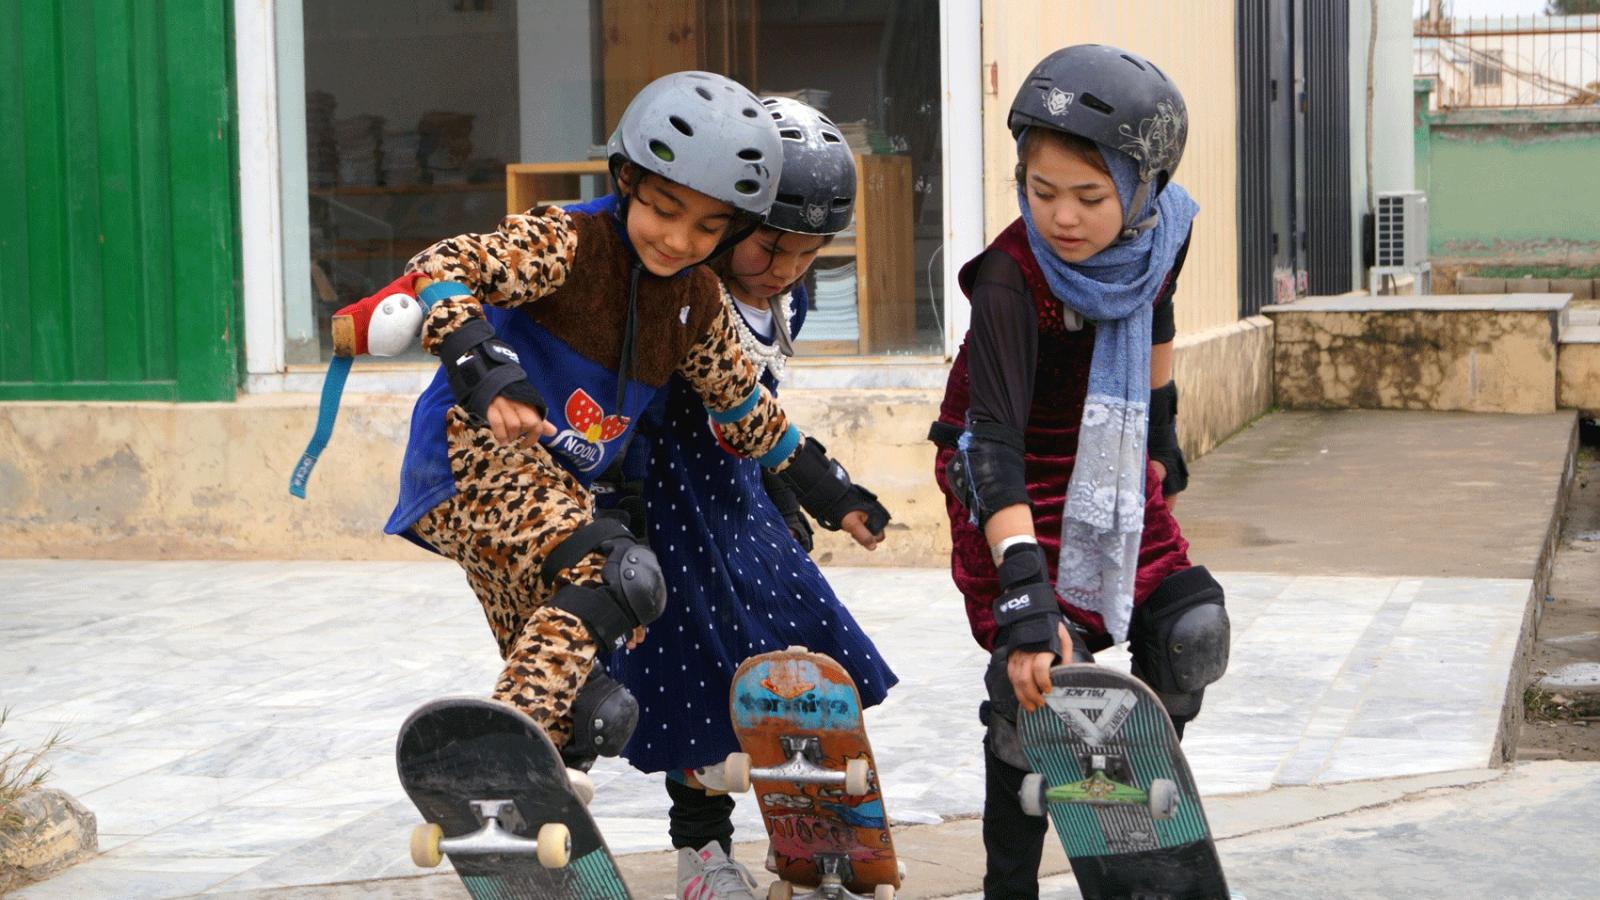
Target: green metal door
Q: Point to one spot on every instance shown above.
(118, 225)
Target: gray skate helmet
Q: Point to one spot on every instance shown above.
(706, 132)
(817, 193)
(1116, 99)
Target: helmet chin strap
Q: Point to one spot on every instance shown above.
(1130, 229)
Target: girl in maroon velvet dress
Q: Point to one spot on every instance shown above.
(1058, 444)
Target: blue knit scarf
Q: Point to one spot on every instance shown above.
(1116, 290)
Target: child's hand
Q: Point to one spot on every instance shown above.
(636, 637)
(1161, 475)
(1030, 672)
(855, 523)
(517, 422)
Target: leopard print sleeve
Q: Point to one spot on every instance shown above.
(524, 259)
(726, 381)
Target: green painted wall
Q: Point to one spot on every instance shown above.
(118, 227)
(1511, 185)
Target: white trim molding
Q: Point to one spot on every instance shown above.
(961, 39)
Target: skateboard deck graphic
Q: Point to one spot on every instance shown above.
(1109, 771)
(798, 717)
(463, 761)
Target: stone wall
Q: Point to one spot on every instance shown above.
(210, 480)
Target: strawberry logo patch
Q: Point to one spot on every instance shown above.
(589, 428)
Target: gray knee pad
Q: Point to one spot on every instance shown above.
(604, 715)
(632, 591)
(1180, 639)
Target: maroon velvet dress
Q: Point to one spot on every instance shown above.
(1061, 382)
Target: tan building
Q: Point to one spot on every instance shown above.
(363, 136)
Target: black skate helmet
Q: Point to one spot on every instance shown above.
(1116, 99)
(705, 132)
(817, 192)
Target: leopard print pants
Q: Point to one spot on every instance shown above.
(513, 505)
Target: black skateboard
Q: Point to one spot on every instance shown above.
(495, 797)
(1108, 770)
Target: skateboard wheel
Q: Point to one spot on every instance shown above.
(883, 892)
(780, 890)
(736, 773)
(1163, 798)
(900, 869)
(582, 785)
(555, 845)
(857, 780)
(425, 845)
(1032, 794)
(772, 861)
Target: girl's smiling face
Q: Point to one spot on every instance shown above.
(1074, 202)
(768, 261)
(673, 227)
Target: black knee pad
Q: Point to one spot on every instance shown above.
(604, 716)
(632, 591)
(1180, 639)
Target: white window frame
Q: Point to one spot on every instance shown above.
(261, 195)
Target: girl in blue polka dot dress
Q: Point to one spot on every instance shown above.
(739, 580)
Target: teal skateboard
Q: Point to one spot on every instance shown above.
(1108, 771)
(496, 798)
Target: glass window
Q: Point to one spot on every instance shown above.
(434, 117)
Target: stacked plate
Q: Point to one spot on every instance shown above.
(834, 318)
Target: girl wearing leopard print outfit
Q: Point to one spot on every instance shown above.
(538, 329)
(742, 582)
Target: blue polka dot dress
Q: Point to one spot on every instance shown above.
(738, 584)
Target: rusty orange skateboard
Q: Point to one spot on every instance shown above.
(798, 718)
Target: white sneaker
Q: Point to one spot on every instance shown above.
(710, 874)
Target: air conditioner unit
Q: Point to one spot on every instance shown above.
(1402, 230)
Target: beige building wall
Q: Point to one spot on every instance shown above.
(1194, 44)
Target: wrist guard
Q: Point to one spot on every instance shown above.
(481, 367)
(824, 490)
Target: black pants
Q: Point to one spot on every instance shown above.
(1012, 839)
(698, 818)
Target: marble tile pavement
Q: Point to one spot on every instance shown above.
(232, 724)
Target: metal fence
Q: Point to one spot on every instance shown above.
(1508, 61)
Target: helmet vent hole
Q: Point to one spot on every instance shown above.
(841, 203)
(751, 154)
(1158, 71)
(681, 125)
(770, 101)
(826, 119)
(662, 151)
(777, 116)
(1136, 63)
(704, 94)
(1096, 104)
(747, 186)
(831, 138)
(791, 134)
(750, 113)
(791, 199)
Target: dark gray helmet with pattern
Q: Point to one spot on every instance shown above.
(817, 193)
(1112, 97)
(706, 132)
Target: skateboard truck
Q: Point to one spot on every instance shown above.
(804, 766)
(552, 846)
(1110, 783)
(834, 869)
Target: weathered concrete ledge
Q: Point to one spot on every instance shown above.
(1476, 353)
(1579, 362)
(210, 480)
